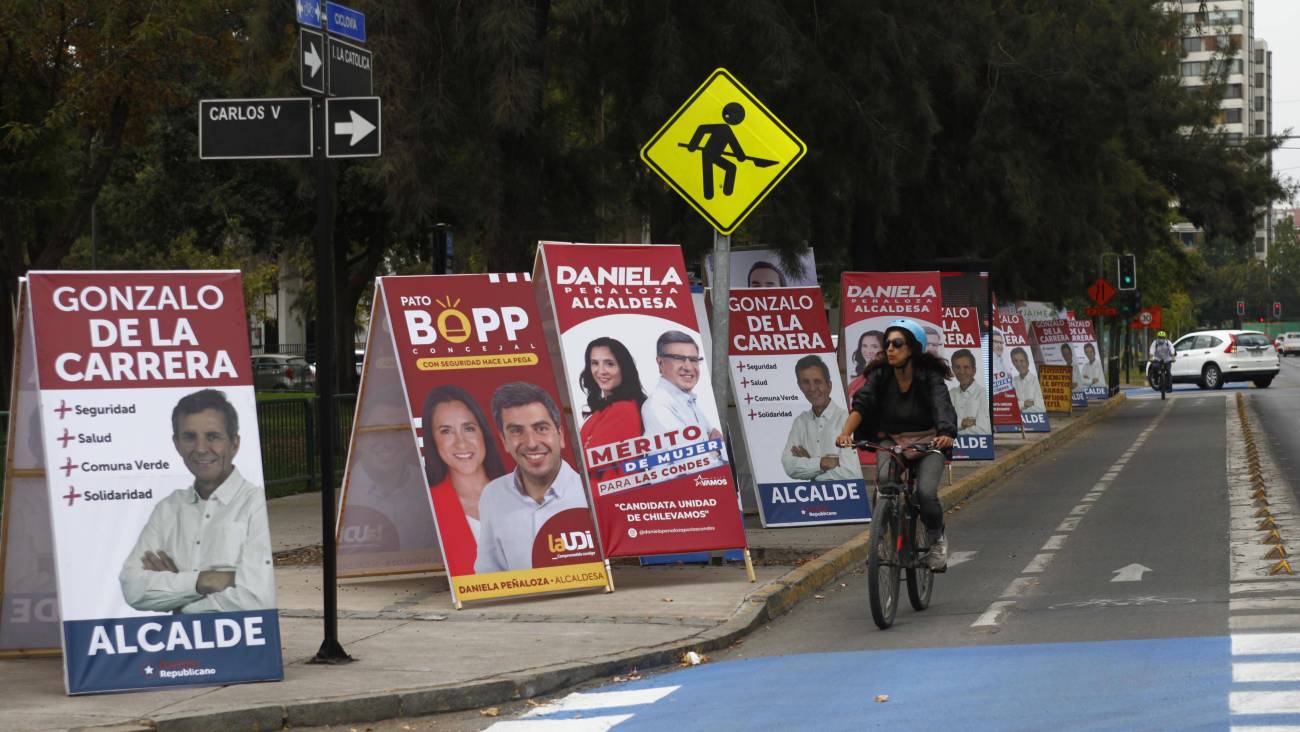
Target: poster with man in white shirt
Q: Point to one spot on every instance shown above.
(969, 389)
(791, 404)
(149, 426)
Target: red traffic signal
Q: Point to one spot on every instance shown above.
(1261, 318)
(1241, 307)
(1277, 309)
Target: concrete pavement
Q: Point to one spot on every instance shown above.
(416, 655)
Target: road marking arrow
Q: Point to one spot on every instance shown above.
(359, 127)
(1131, 573)
(312, 59)
(956, 558)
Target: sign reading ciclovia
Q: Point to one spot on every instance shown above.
(158, 519)
(458, 374)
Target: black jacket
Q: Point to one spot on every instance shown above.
(930, 387)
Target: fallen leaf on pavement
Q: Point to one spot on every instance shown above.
(882, 697)
(668, 599)
(819, 597)
(490, 712)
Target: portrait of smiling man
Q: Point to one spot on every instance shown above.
(810, 452)
(673, 403)
(206, 547)
(515, 506)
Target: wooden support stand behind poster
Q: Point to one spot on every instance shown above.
(29, 606)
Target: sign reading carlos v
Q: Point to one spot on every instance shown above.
(791, 404)
(638, 383)
(162, 549)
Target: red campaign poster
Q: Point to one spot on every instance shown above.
(1006, 410)
(511, 511)
(1018, 361)
(869, 301)
(637, 374)
(969, 387)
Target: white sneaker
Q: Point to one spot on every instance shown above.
(937, 559)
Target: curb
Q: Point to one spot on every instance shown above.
(758, 608)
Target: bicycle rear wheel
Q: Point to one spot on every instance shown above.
(920, 580)
(882, 563)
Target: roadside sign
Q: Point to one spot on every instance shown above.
(345, 21)
(723, 151)
(352, 127)
(308, 12)
(1104, 311)
(311, 46)
(1151, 317)
(246, 129)
(350, 70)
(1101, 291)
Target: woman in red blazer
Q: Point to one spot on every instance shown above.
(614, 394)
(460, 458)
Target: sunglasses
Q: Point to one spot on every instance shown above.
(682, 359)
(895, 343)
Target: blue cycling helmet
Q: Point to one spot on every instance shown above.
(911, 326)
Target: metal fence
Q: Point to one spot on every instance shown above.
(290, 458)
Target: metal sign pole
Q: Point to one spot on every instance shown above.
(721, 315)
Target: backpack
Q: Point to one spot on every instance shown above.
(1164, 349)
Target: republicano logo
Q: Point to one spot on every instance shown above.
(426, 325)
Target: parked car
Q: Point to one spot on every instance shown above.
(1212, 358)
(282, 371)
(1289, 343)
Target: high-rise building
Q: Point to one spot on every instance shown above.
(1220, 36)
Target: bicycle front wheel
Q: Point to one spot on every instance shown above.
(920, 579)
(882, 563)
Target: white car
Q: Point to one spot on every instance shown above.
(1290, 343)
(1212, 358)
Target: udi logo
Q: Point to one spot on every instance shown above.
(565, 539)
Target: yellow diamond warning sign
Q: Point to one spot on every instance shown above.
(723, 151)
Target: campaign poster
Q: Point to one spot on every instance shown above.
(29, 605)
(637, 373)
(384, 525)
(1056, 384)
(1089, 373)
(766, 268)
(1054, 340)
(1017, 355)
(161, 544)
(1034, 310)
(509, 503)
(791, 403)
(964, 350)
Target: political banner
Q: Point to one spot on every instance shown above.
(1053, 344)
(1089, 370)
(1034, 310)
(384, 525)
(1056, 383)
(637, 375)
(510, 507)
(1017, 356)
(146, 396)
(791, 404)
(964, 350)
(766, 268)
(29, 605)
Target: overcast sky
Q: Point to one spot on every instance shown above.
(1278, 22)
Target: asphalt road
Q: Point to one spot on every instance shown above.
(1093, 589)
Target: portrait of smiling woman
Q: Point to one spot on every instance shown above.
(614, 393)
(461, 457)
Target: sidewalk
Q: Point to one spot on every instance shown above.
(415, 655)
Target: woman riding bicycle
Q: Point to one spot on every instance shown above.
(905, 401)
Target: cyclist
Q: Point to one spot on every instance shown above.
(1161, 352)
(903, 401)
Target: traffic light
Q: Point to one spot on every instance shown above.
(1241, 308)
(1277, 310)
(1128, 272)
(1261, 318)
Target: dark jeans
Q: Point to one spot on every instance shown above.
(928, 471)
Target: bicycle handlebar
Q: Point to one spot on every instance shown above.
(925, 447)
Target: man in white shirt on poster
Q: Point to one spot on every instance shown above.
(673, 404)
(1028, 391)
(515, 506)
(810, 452)
(969, 398)
(1091, 371)
(206, 547)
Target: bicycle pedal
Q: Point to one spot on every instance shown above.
(942, 570)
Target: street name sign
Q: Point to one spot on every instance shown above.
(246, 129)
(344, 21)
(311, 50)
(352, 127)
(350, 70)
(308, 12)
(723, 151)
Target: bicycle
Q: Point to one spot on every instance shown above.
(1162, 379)
(897, 539)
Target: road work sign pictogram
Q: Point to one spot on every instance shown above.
(723, 151)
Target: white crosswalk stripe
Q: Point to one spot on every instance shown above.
(553, 716)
